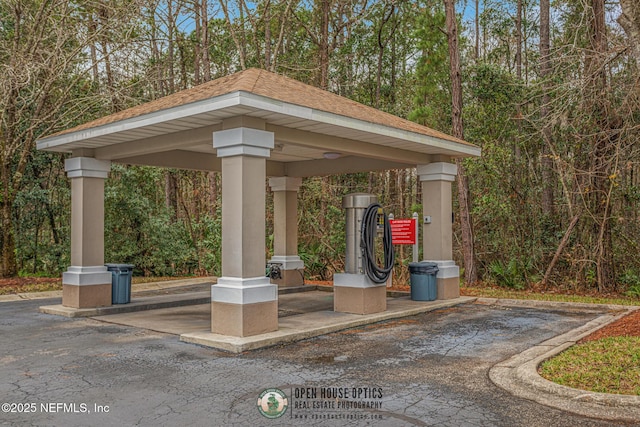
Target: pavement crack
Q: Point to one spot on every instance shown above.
(462, 343)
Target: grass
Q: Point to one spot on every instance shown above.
(608, 365)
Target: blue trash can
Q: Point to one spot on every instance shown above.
(423, 280)
(120, 282)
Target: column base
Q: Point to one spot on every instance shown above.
(87, 296)
(291, 270)
(86, 287)
(447, 280)
(357, 294)
(448, 288)
(289, 278)
(242, 307)
(244, 320)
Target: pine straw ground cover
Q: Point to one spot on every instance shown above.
(17, 285)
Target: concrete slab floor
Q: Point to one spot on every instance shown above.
(193, 318)
(301, 315)
(153, 296)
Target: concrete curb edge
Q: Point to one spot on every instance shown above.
(519, 374)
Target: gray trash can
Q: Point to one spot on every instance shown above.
(423, 280)
(120, 282)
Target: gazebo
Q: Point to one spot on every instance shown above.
(251, 125)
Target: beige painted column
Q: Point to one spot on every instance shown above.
(87, 283)
(243, 302)
(437, 236)
(285, 230)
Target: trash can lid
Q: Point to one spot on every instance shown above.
(423, 264)
(425, 267)
(119, 266)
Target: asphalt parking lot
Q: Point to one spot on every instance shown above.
(426, 370)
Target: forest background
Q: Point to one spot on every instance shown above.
(551, 92)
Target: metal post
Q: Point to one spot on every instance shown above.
(354, 205)
(415, 245)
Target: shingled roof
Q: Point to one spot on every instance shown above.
(274, 86)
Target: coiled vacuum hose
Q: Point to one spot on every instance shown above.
(367, 245)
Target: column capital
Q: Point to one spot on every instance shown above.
(87, 167)
(285, 183)
(437, 171)
(243, 141)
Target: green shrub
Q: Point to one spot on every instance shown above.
(510, 275)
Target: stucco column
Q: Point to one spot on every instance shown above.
(243, 302)
(437, 236)
(87, 283)
(285, 230)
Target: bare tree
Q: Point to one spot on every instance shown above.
(40, 74)
(382, 44)
(255, 27)
(598, 105)
(476, 23)
(336, 17)
(545, 74)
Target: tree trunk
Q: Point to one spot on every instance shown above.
(204, 41)
(155, 52)
(603, 146)
(197, 47)
(519, 40)
(171, 193)
(284, 19)
(323, 57)
(104, 42)
(212, 178)
(382, 44)
(548, 206)
(8, 266)
(559, 250)
(239, 42)
(93, 50)
(629, 20)
(477, 27)
(267, 35)
(170, 45)
(466, 224)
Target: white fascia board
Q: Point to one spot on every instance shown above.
(264, 103)
(275, 106)
(150, 119)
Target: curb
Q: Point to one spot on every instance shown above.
(519, 374)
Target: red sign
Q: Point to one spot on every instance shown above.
(403, 231)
